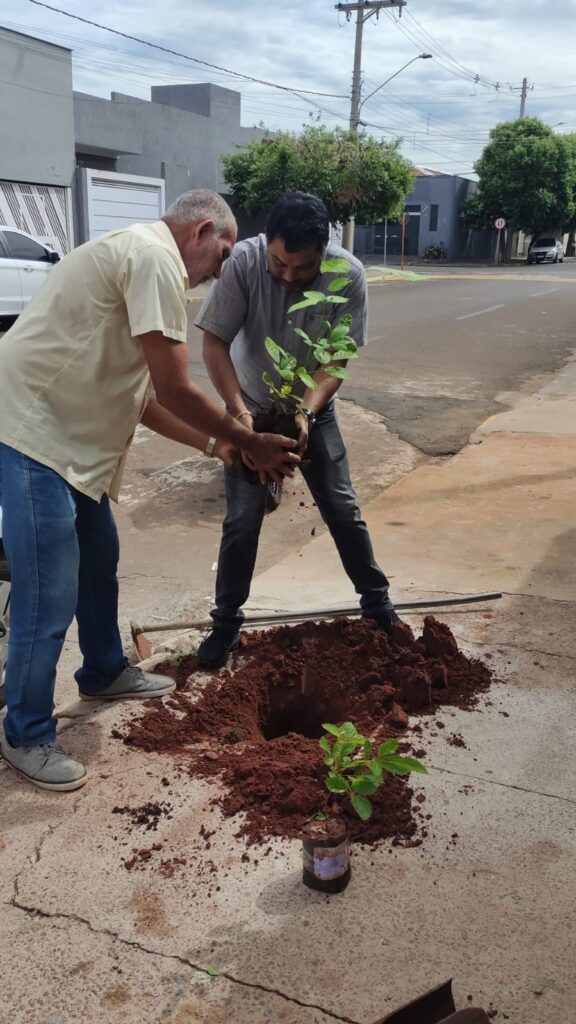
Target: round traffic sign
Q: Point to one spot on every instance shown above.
(499, 223)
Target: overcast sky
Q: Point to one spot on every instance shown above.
(442, 114)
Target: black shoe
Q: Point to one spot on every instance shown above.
(215, 648)
(385, 619)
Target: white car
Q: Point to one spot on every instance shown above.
(546, 250)
(24, 266)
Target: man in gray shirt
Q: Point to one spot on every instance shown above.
(263, 277)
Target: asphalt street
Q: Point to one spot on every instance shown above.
(446, 352)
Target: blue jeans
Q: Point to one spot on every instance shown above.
(328, 479)
(62, 548)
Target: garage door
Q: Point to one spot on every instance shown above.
(43, 211)
(118, 200)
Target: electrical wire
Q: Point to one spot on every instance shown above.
(185, 56)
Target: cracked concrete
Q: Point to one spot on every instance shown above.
(486, 899)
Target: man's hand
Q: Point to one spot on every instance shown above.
(226, 452)
(271, 456)
(303, 428)
(248, 422)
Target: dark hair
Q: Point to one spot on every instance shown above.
(300, 220)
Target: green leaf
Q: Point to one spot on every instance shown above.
(336, 371)
(340, 331)
(415, 766)
(305, 377)
(302, 305)
(315, 296)
(273, 349)
(364, 785)
(286, 375)
(362, 806)
(212, 971)
(324, 744)
(350, 731)
(349, 746)
(334, 299)
(397, 765)
(338, 284)
(322, 357)
(333, 729)
(336, 784)
(302, 334)
(367, 748)
(268, 380)
(336, 265)
(389, 747)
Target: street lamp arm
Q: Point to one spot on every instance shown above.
(420, 56)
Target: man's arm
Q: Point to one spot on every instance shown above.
(216, 355)
(168, 365)
(163, 422)
(315, 399)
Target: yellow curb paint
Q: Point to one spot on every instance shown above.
(476, 277)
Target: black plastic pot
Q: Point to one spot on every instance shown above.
(326, 855)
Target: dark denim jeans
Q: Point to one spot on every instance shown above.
(328, 479)
(62, 548)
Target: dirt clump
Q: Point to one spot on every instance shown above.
(256, 729)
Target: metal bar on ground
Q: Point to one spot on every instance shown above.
(280, 618)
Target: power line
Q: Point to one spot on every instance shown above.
(185, 56)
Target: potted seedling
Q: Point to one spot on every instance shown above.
(327, 350)
(355, 770)
(331, 346)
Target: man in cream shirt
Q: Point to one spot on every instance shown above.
(75, 371)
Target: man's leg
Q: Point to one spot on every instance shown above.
(328, 478)
(105, 672)
(40, 539)
(238, 549)
(39, 531)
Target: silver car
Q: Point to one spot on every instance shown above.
(546, 250)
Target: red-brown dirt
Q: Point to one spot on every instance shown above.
(256, 729)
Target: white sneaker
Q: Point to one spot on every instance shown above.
(46, 766)
(134, 684)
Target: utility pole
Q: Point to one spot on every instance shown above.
(523, 90)
(523, 96)
(364, 10)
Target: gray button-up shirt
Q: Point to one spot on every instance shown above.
(247, 304)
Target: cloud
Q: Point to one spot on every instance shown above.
(443, 116)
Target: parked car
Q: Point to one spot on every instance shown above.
(24, 266)
(546, 250)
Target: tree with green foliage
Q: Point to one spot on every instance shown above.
(570, 225)
(526, 175)
(354, 175)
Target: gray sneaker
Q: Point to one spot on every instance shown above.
(46, 766)
(134, 684)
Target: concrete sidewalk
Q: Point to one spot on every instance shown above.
(488, 899)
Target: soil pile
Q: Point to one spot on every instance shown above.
(258, 728)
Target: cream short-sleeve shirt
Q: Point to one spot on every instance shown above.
(73, 376)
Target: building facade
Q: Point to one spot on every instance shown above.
(73, 166)
(36, 164)
(432, 222)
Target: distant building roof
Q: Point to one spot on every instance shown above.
(428, 172)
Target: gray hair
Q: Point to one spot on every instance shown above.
(201, 204)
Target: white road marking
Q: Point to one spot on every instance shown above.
(481, 311)
(537, 295)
